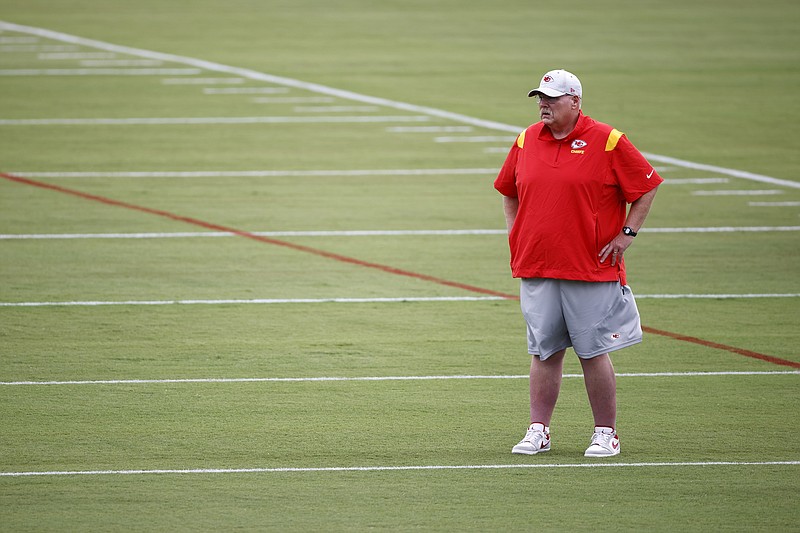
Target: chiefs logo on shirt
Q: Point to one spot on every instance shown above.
(577, 146)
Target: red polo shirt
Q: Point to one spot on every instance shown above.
(573, 194)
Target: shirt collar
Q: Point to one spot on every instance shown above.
(547, 135)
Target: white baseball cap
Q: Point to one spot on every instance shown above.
(558, 83)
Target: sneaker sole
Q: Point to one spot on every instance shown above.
(526, 452)
(589, 454)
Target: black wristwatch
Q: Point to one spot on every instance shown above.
(628, 231)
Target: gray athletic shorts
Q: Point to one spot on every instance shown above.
(592, 317)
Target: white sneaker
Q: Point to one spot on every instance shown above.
(536, 440)
(605, 443)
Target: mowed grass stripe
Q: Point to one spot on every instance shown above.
(248, 235)
(257, 76)
(349, 95)
(202, 437)
(377, 266)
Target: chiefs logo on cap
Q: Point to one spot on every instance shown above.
(547, 79)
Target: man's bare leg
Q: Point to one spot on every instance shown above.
(601, 386)
(545, 384)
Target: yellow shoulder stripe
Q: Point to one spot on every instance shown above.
(521, 139)
(613, 139)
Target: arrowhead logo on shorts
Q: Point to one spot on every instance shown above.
(615, 336)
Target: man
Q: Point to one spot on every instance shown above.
(566, 184)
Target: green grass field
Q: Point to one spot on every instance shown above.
(342, 363)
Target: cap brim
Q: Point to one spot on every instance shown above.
(547, 91)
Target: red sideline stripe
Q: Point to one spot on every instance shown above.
(248, 235)
(709, 344)
(377, 266)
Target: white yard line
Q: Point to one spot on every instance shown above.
(475, 139)
(257, 301)
(294, 100)
(774, 204)
(208, 120)
(297, 173)
(76, 55)
(359, 233)
(16, 48)
(202, 81)
(722, 229)
(324, 379)
(18, 40)
(245, 90)
(410, 468)
(120, 63)
(722, 170)
(716, 296)
(354, 233)
(767, 192)
(336, 109)
(694, 181)
(429, 129)
(100, 72)
(273, 301)
(261, 173)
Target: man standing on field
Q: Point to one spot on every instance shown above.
(566, 184)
